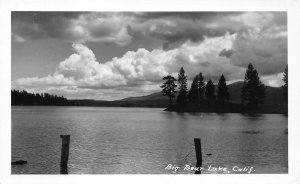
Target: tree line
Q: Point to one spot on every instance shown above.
(25, 98)
(253, 90)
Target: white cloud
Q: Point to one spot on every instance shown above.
(138, 69)
(273, 80)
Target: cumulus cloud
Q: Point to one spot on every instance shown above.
(141, 68)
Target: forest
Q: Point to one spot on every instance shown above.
(25, 98)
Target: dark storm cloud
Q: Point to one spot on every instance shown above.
(226, 53)
(35, 25)
(193, 15)
(42, 16)
(175, 28)
(194, 34)
(70, 26)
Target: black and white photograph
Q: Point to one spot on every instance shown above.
(138, 92)
(149, 92)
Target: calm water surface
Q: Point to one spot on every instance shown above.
(145, 140)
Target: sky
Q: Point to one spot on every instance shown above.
(114, 55)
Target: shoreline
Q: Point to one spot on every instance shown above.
(228, 107)
(164, 109)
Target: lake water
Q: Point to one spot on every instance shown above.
(114, 140)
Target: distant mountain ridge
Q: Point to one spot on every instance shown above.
(153, 96)
(234, 90)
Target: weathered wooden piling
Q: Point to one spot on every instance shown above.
(64, 154)
(197, 142)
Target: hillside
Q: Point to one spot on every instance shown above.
(151, 97)
(274, 96)
(153, 100)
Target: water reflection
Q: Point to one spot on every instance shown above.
(254, 117)
(223, 116)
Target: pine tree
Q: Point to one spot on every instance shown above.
(182, 84)
(194, 91)
(245, 90)
(169, 87)
(285, 86)
(201, 87)
(222, 90)
(253, 91)
(210, 91)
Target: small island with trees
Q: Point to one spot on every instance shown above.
(206, 97)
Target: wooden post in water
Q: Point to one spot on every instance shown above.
(197, 142)
(64, 157)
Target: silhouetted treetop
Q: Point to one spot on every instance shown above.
(169, 87)
(210, 90)
(253, 91)
(201, 86)
(194, 91)
(222, 94)
(285, 85)
(182, 85)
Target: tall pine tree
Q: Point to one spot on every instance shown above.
(253, 91)
(169, 87)
(245, 90)
(222, 94)
(182, 85)
(210, 91)
(194, 91)
(201, 87)
(285, 85)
